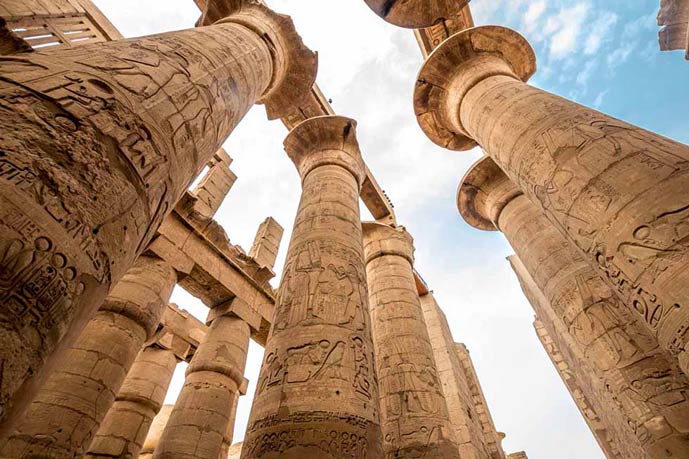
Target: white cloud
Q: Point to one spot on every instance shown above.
(566, 25)
(600, 32)
(533, 14)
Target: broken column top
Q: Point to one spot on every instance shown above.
(295, 66)
(482, 194)
(458, 64)
(325, 140)
(416, 14)
(267, 243)
(380, 240)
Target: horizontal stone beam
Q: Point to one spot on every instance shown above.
(180, 332)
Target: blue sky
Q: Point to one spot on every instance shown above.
(599, 53)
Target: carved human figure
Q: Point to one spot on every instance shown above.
(411, 399)
(605, 334)
(99, 141)
(618, 193)
(66, 414)
(317, 394)
(200, 421)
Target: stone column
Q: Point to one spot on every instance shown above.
(229, 432)
(154, 433)
(124, 429)
(214, 379)
(471, 439)
(99, 141)
(413, 416)
(617, 192)
(416, 14)
(317, 395)
(68, 410)
(648, 385)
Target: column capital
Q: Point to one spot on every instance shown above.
(416, 14)
(381, 240)
(294, 65)
(457, 65)
(326, 140)
(483, 193)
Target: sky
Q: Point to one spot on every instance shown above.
(600, 53)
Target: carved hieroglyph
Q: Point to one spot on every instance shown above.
(416, 14)
(199, 422)
(619, 193)
(587, 391)
(413, 416)
(98, 143)
(124, 429)
(649, 388)
(67, 412)
(317, 395)
(459, 396)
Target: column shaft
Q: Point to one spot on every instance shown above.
(317, 395)
(618, 348)
(155, 432)
(99, 141)
(617, 192)
(413, 417)
(199, 421)
(125, 427)
(66, 413)
(472, 441)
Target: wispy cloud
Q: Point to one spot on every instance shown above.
(566, 27)
(600, 32)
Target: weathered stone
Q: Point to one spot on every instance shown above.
(99, 142)
(458, 390)
(68, 410)
(413, 416)
(125, 427)
(317, 395)
(215, 377)
(415, 14)
(492, 437)
(617, 192)
(155, 432)
(673, 17)
(648, 386)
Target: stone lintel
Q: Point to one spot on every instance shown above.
(673, 17)
(431, 37)
(294, 65)
(325, 140)
(180, 332)
(483, 193)
(218, 274)
(458, 64)
(416, 14)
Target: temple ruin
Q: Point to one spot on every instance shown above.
(101, 140)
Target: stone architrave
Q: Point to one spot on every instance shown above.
(618, 193)
(459, 396)
(125, 427)
(413, 414)
(204, 409)
(68, 410)
(155, 431)
(317, 395)
(650, 389)
(416, 14)
(99, 142)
